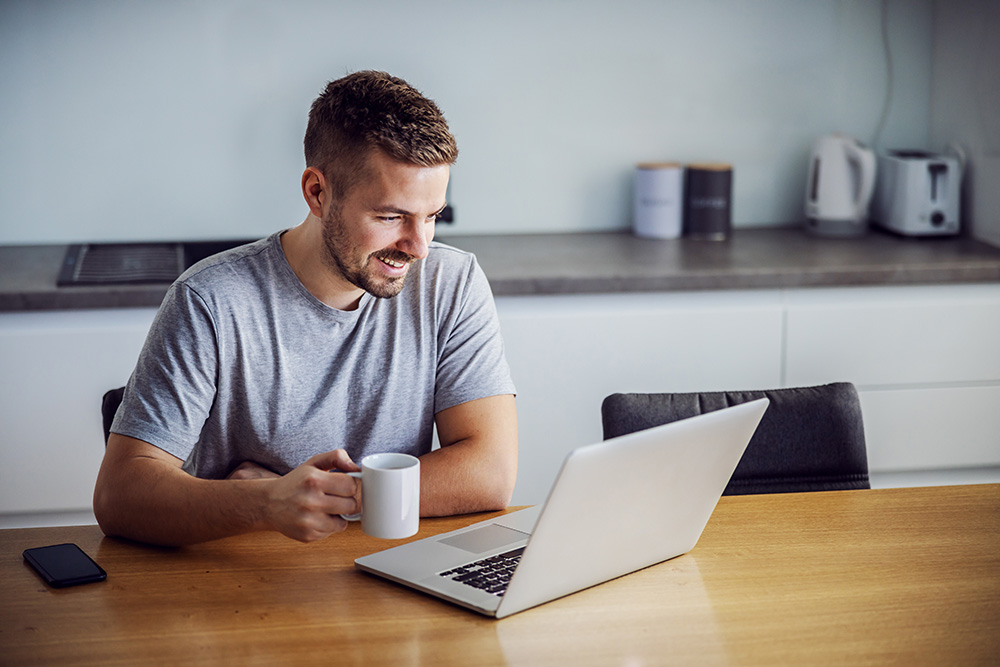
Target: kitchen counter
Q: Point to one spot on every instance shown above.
(600, 262)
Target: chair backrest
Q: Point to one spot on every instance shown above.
(810, 439)
(109, 406)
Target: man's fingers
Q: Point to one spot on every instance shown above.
(337, 493)
(345, 498)
(335, 460)
(319, 528)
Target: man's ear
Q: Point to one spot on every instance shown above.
(315, 191)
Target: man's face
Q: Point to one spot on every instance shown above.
(383, 224)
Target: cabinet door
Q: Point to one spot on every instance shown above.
(926, 361)
(932, 428)
(568, 352)
(56, 366)
(894, 336)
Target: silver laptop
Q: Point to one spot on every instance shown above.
(616, 507)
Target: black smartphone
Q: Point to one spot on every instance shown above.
(63, 565)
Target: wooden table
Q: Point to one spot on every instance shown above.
(900, 576)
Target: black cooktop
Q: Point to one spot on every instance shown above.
(134, 263)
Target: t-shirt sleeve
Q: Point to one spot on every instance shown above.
(472, 363)
(171, 390)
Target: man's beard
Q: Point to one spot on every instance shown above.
(337, 252)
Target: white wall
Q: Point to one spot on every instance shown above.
(965, 104)
(171, 120)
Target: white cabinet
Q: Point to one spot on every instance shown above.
(932, 428)
(925, 359)
(55, 367)
(568, 352)
(894, 336)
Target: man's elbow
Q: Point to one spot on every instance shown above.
(116, 514)
(105, 505)
(489, 491)
(113, 502)
(500, 491)
(495, 499)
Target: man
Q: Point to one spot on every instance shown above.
(271, 368)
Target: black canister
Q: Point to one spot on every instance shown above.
(708, 201)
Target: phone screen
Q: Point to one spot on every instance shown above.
(64, 565)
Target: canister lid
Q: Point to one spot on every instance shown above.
(659, 165)
(711, 166)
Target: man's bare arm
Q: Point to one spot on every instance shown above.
(143, 494)
(476, 467)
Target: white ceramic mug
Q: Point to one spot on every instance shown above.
(390, 495)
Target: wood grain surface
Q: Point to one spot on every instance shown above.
(893, 576)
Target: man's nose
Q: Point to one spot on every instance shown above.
(416, 239)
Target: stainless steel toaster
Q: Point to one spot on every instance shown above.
(917, 193)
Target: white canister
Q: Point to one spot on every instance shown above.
(659, 200)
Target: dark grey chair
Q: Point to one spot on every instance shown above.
(109, 406)
(810, 438)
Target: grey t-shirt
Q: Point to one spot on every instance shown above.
(242, 363)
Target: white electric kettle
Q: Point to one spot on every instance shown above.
(840, 186)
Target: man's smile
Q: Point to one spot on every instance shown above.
(392, 263)
(394, 260)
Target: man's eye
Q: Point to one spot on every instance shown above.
(388, 218)
(432, 218)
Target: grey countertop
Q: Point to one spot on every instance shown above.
(601, 262)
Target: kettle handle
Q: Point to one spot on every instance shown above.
(865, 160)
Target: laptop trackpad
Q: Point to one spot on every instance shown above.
(485, 538)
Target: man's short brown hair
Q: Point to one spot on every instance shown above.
(368, 110)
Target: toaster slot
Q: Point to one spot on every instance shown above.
(938, 173)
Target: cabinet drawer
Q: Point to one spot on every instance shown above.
(56, 366)
(914, 429)
(894, 336)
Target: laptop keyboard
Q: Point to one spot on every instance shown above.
(489, 574)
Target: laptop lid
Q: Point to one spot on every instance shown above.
(615, 507)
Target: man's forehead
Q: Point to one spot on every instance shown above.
(403, 187)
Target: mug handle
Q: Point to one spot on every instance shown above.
(352, 517)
